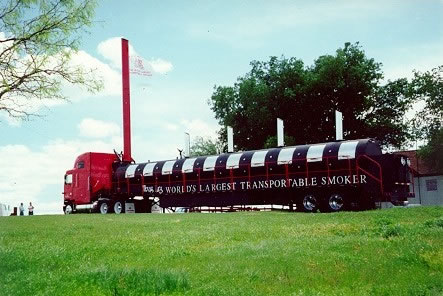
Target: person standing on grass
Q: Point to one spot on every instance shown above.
(21, 208)
(31, 209)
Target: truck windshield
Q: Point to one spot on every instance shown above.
(68, 179)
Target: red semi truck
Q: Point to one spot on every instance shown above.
(334, 176)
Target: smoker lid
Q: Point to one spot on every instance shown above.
(341, 150)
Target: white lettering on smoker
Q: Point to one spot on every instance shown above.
(259, 184)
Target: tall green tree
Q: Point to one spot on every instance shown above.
(432, 152)
(306, 97)
(427, 91)
(37, 41)
(204, 146)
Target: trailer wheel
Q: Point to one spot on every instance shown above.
(118, 207)
(335, 202)
(308, 204)
(103, 208)
(68, 209)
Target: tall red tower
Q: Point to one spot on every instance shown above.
(126, 103)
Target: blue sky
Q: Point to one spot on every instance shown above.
(192, 46)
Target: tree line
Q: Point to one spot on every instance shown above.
(306, 97)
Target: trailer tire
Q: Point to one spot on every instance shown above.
(308, 203)
(103, 208)
(334, 202)
(118, 207)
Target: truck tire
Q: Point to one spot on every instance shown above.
(67, 209)
(308, 203)
(118, 207)
(103, 208)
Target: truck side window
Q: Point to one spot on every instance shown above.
(68, 179)
(80, 164)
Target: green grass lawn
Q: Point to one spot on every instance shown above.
(384, 252)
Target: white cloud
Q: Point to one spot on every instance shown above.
(110, 77)
(151, 148)
(160, 66)
(92, 128)
(110, 49)
(421, 58)
(170, 126)
(197, 127)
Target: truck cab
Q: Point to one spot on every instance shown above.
(88, 181)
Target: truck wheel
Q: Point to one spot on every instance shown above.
(308, 204)
(104, 208)
(335, 202)
(118, 207)
(68, 209)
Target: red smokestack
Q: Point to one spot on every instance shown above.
(126, 103)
